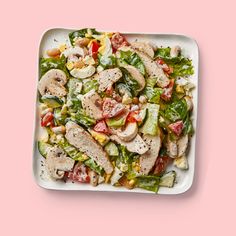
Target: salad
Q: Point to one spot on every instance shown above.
(115, 112)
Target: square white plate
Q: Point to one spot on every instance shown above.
(56, 37)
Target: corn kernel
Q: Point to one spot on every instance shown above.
(132, 182)
(62, 47)
(179, 89)
(107, 178)
(70, 65)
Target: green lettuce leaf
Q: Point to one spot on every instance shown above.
(150, 183)
(107, 61)
(182, 66)
(89, 85)
(132, 84)
(162, 52)
(71, 150)
(188, 126)
(177, 110)
(94, 166)
(83, 119)
(46, 64)
(80, 34)
(132, 58)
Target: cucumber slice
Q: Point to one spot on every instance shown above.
(168, 179)
(143, 114)
(58, 117)
(112, 149)
(52, 101)
(43, 148)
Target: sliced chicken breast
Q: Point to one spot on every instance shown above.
(91, 103)
(136, 145)
(143, 47)
(136, 75)
(182, 144)
(172, 148)
(153, 70)
(107, 78)
(82, 140)
(148, 159)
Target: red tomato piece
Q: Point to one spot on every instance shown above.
(177, 127)
(167, 91)
(118, 41)
(79, 174)
(161, 164)
(112, 108)
(101, 127)
(109, 91)
(134, 117)
(93, 50)
(47, 119)
(160, 61)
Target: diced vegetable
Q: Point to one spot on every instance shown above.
(89, 85)
(102, 139)
(168, 179)
(101, 127)
(43, 148)
(151, 124)
(83, 119)
(59, 118)
(112, 108)
(181, 162)
(117, 121)
(177, 110)
(132, 58)
(47, 119)
(131, 83)
(176, 127)
(52, 101)
(71, 150)
(116, 176)
(80, 34)
(153, 94)
(150, 183)
(143, 116)
(47, 64)
(111, 149)
(94, 166)
(161, 163)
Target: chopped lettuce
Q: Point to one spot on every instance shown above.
(107, 61)
(46, 64)
(116, 122)
(163, 52)
(188, 126)
(59, 118)
(150, 126)
(177, 110)
(153, 94)
(83, 119)
(182, 66)
(81, 34)
(89, 85)
(150, 183)
(131, 83)
(111, 149)
(71, 150)
(94, 166)
(132, 58)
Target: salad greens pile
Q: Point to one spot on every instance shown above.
(115, 112)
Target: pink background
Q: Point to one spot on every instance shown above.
(208, 208)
